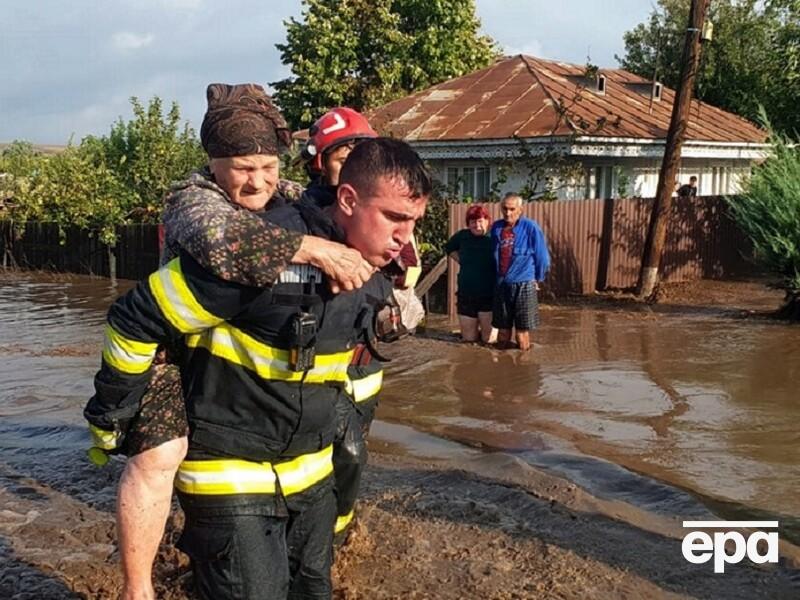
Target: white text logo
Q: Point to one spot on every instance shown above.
(699, 547)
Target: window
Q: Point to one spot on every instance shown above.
(601, 84)
(469, 182)
(603, 182)
(452, 178)
(657, 92)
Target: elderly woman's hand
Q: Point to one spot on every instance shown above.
(345, 267)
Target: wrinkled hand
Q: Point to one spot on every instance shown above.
(345, 267)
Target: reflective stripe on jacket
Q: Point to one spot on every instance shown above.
(242, 398)
(364, 382)
(232, 476)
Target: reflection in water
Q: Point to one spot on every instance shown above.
(701, 402)
(706, 404)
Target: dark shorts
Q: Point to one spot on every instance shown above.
(163, 414)
(516, 305)
(470, 306)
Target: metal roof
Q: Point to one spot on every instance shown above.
(526, 97)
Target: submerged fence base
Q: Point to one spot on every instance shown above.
(594, 244)
(75, 250)
(598, 244)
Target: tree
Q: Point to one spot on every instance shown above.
(768, 211)
(752, 60)
(104, 181)
(363, 53)
(147, 153)
(18, 162)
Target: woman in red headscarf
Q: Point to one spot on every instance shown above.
(471, 248)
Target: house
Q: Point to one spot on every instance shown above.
(565, 130)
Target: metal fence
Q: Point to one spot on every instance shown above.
(594, 244)
(598, 244)
(43, 246)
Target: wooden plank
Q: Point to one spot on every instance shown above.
(424, 286)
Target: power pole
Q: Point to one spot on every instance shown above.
(657, 231)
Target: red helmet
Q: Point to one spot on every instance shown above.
(336, 127)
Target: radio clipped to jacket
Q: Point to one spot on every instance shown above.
(302, 342)
(389, 324)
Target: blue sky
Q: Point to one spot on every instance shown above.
(68, 69)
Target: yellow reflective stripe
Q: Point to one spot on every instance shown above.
(343, 521)
(304, 471)
(103, 439)
(177, 302)
(412, 276)
(232, 344)
(127, 355)
(364, 388)
(224, 477)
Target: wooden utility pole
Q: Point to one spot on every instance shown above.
(657, 231)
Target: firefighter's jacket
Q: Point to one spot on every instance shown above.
(249, 413)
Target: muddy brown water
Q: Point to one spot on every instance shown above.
(679, 414)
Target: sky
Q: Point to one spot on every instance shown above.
(69, 69)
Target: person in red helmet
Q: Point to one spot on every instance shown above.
(331, 139)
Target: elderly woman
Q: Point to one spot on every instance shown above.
(214, 216)
(471, 248)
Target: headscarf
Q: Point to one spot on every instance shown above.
(241, 120)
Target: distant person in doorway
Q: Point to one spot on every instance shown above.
(522, 259)
(471, 248)
(688, 190)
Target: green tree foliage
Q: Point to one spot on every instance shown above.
(431, 231)
(363, 53)
(768, 210)
(103, 181)
(753, 59)
(148, 153)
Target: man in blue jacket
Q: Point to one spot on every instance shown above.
(522, 259)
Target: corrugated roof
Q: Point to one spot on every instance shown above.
(529, 97)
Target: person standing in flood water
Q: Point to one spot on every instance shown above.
(522, 259)
(262, 371)
(216, 216)
(471, 248)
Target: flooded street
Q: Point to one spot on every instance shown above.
(677, 414)
(706, 403)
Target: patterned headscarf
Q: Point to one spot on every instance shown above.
(242, 120)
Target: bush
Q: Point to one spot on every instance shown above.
(768, 211)
(432, 230)
(104, 181)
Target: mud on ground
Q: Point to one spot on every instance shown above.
(424, 530)
(487, 526)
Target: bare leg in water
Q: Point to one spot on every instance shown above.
(143, 504)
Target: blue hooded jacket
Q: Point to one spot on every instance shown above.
(530, 259)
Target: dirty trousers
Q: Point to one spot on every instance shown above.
(239, 554)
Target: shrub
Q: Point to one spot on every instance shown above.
(768, 210)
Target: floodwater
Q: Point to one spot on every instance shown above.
(679, 414)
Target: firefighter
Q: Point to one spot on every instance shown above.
(261, 373)
(332, 138)
(218, 220)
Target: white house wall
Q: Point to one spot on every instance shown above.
(715, 176)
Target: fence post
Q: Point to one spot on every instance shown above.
(606, 241)
(112, 263)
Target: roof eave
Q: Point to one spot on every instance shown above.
(600, 147)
